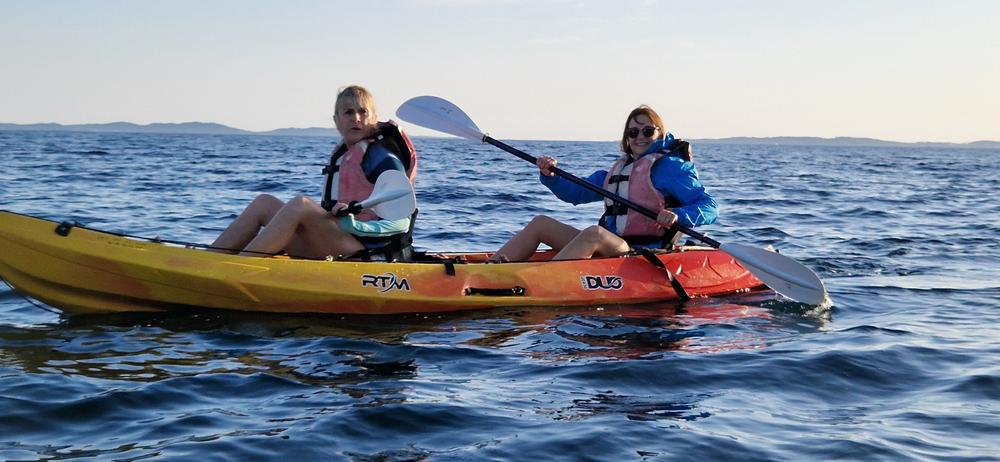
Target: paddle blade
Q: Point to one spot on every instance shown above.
(782, 274)
(392, 197)
(439, 114)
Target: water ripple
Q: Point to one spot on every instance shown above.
(900, 367)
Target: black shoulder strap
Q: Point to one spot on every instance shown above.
(681, 149)
(329, 170)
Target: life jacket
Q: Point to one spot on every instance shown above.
(632, 180)
(345, 170)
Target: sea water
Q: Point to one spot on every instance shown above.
(905, 365)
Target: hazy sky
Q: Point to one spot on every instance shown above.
(523, 69)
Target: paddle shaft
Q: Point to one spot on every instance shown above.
(599, 190)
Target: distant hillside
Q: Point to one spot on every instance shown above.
(985, 144)
(195, 128)
(206, 128)
(843, 141)
(311, 131)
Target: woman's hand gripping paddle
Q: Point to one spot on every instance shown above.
(392, 197)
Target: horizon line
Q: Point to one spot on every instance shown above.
(83, 127)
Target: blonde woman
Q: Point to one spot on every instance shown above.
(301, 227)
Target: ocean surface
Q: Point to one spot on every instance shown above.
(905, 364)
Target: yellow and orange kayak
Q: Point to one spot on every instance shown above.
(81, 270)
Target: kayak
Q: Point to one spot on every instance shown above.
(84, 270)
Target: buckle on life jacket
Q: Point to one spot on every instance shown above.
(617, 178)
(615, 209)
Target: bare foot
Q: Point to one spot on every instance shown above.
(497, 258)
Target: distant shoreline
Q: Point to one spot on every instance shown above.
(206, 128)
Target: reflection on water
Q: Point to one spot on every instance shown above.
(635, 408)
(343, 350)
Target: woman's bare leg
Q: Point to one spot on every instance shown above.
(593, 241)
(304, 229)
(246, 226)
(540, 230)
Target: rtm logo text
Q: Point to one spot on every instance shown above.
(384, 282)
(601, 282)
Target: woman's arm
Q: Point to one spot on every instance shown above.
(567, 191)
(677, 178)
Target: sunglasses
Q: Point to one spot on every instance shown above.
(646, 131)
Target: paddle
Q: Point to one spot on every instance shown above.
(782, 274)
(392, 197)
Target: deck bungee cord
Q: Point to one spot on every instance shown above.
(64, 228)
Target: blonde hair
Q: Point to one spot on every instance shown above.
(654, 118)
(358, 95)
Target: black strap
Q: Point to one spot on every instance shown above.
(331, 168)
(449, 263)
(392, 248)
(617, 178)
(516, 291)
(65, 227)
(615, 209)
(352, 207)
(651, 258)
(681, 149)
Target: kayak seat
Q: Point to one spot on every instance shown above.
(398, 247)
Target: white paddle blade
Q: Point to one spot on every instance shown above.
(441, 115)
(392, 197)
(782, 274)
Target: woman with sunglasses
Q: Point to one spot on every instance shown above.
(654, 171)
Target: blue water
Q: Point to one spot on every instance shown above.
(904, 366)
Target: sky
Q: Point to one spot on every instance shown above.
(522, 69)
